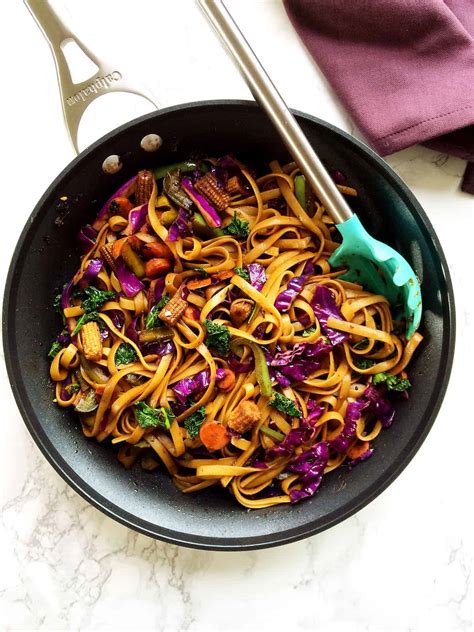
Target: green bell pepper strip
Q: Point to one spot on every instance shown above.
(185, 167)
(201, 228)
(261, 367)
(300, 191)
(274, 434)
(94, 372)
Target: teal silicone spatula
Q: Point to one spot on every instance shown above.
(376, 265)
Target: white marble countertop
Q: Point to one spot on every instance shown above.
(401, 564)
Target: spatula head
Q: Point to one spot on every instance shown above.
(379, 268)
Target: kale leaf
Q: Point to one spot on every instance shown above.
(237, 228)
(73, 388)
(194, 422)
(55, 349)
(218, 336)
(284, 405)
(125, 354)
(361, 344)
(57, 307)
(242, 273)
(93, 299)
(148, 417)
(86, 318)
(57, 303)
(201, 271)
(392, 382)
(364, 363)
(152, 320)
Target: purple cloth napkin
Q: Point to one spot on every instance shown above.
(404, 69)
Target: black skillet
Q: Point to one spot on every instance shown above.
(46, 255)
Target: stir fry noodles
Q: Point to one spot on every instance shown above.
(206, 334)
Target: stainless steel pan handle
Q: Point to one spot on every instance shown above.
(76, 97)
(270, 99)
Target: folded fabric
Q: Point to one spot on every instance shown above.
(404, 69)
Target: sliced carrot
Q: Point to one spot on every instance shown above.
(214, 436)
(99, 389)
(197, 284)
(157, 267)
(227, 383)
(135, 242)
(120, 206)
(222, 276)
(358, 449)
(156, 250)
(117, 247)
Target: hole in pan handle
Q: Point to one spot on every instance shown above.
(76, 97)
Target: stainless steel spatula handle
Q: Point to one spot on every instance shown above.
(270, 99)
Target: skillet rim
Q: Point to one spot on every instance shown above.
(210, 543)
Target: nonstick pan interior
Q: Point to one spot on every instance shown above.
(47, 256)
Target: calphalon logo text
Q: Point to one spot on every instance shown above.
(98, 84)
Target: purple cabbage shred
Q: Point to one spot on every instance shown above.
(237, 366)
(315, 411)
(131, 284)
(86, 238)
(353, 413)
(382, 408)
(157, 348)
(324, 306)
(363, 457)
(131, 331)
(137, 218)
(257, 275)
(117, 317)
(299, 363)
(158, 291)
(93, 269)
(64, 338)
(285, 299)
(181, 227)
(198, 382)
(294, 439)
(66, 295)
(310, 465)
